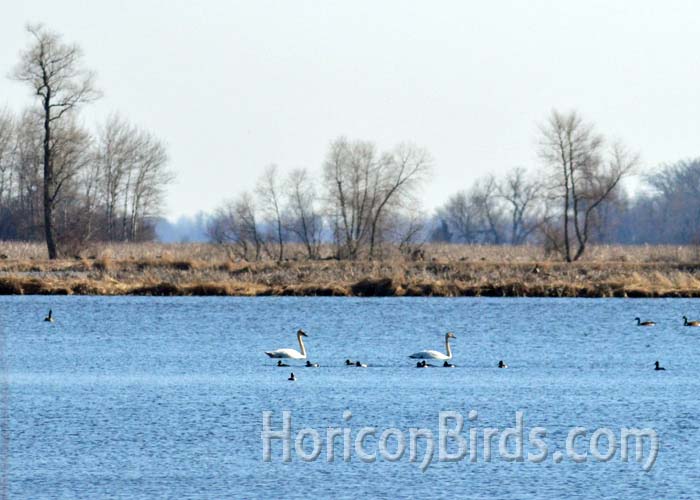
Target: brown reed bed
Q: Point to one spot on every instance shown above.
(447, 271)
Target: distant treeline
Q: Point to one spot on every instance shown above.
(363, 200)
(69, 186)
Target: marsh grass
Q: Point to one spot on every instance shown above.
(448, 270)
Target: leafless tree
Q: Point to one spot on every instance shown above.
(116, 152)
(349, 172)
(147, 182)
(305, 219)
(132, 178)
(270, 195)
(363, 185)
(461, 217)
(398, 175)
(236, 224)
(28, 174)
(484, 197)
(475, 216)
(54, 72)
(583, 174)
(71, 153)
(7, 154)
(521, 196)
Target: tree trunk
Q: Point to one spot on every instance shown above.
(48, 181)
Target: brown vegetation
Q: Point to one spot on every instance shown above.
(446, 271)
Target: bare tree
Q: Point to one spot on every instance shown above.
(583, 175)
(148, 178)
(349, 172)
(28, 174)
(488, 210)
(7, 154)
(476, 216)
(269, 192)
(54, 72)
(305, 219)
(460, 217)
(521, 196)
(116, 152)
(236, 223)
(397, 176)
(363, 185)
(71, 153)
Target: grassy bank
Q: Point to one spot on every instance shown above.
(446, 271)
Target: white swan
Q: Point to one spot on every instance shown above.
(291, 353)
(435, 354)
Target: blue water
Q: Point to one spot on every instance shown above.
(163, 397)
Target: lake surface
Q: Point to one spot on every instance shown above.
(163, 397)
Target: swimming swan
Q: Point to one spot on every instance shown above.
(690, 323)
(435, 354)
(658, 367)
(49, 318)
(291, 353)
(644, 323)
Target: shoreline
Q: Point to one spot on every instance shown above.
(168, 277)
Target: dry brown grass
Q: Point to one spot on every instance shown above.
(449, 270)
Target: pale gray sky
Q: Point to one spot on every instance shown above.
(232, 86)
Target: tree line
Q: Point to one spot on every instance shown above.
(363, 202)
(68, 186)
(62, 183)
(362, 198)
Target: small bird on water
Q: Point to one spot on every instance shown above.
(279, 363)
(49, 318)
(657, 366)
(501, 364)
(644, 323)
(690, 323)
(292, 377)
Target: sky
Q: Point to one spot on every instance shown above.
(233, 86)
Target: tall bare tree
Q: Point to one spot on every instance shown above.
(363, 185)
(270, 195)
(398, 174)
(460, 217)
(54, 72)
(236, 224)
(583, 174)
(521, 196)
(305, 219)
(149, 177)
(7, 154)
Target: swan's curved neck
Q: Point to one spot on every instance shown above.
(447, 347)
(301, 345)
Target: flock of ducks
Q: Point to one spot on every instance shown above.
(289, 353)
(657, 365)
(422, 355)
